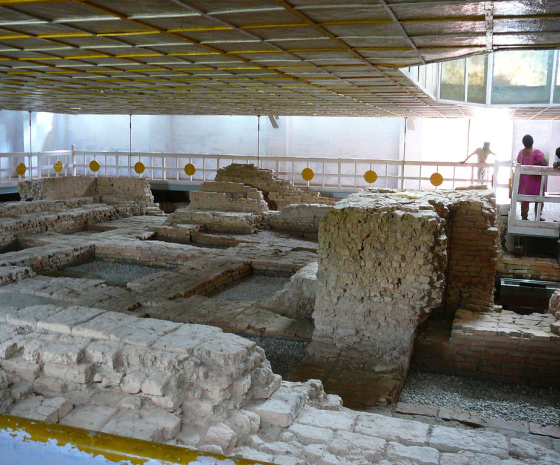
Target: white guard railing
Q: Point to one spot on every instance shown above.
(535, 225)
(329, 174)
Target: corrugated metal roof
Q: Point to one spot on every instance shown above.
(296, 57)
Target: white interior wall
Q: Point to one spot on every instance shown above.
(369, 138)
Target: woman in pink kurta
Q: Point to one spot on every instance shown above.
(529, 184)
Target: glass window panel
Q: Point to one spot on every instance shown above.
(413, 71)
(477, 77)
(452, 85)
(422, 77)
(522, 77)
(557, 83)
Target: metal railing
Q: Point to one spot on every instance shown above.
(534, 225)
(340, 174)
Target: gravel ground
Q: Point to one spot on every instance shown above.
(284, 354)
(257, 288)
(489, 399)
(116, 274)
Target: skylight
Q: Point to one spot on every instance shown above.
(519, 77)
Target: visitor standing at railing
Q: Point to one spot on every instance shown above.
(483, 153)
(530, 184)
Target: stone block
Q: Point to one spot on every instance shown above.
(131, 423)
(470, 458)
(79, 374)
(311, 434)
(225, 350)
(220, 435)
(21, 390)
(91, 417)
(62, 353)
(64, 320)
(355, 446)
(102, 326)
(8, 348)
(320, 418)
(143, 332)
(417, 455)
(283, 406)
(169, 422)
(185, 338)
(483, 442)
(156, 384)
(29, 316)
(409, 433)
(104, 352)
(526, 450)
(132, 382)
(25, 369)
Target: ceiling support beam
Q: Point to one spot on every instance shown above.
(489, 25)
(405, 34)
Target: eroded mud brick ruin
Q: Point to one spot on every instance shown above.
(161, 357)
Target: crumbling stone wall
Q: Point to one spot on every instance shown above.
(106, 189)
(542, 269)
(216, 221)
(63, 187)
(303, 218)
(15, 209)
(381, 271)
(554, 310)
(473, 251)
(278, 192)
(228, 196)
(115, 190)
(64, 221)
(387, 259)
(297, 298)
(501, 346)
(158, 366)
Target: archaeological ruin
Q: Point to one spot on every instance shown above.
(371, 285)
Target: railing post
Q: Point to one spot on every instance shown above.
(339, 173)
(73, 160)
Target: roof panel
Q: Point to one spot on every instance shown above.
(338, 57)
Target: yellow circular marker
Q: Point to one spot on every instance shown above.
(190, 169)
(436, 179)
(370, 176)
(139, 167)
(58, 166)
(94, 166)
(307, 174)
(21, 169)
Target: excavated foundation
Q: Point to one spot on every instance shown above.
(156, 359)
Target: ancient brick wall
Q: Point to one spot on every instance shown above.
(63, 221)
(159, 366)
(381, 272)
(278, 192)
(47, 258)
(542, 269)
(498, 346)
(40, 206)
(473, 251)
(298, 217)
(228, 197)
(106, 189)
(63, 187)
(123, 189)
(387, 259)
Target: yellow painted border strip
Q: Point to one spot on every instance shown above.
(115, 448)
